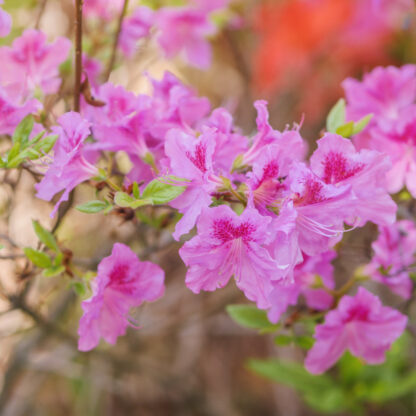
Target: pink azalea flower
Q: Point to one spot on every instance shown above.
(92, 67)
(136, 27)
(394, 254)
(390, 94)
(337, 162)
(267, 135)
(185, 30)
(122, 282)
(5, 22)
(321, 209)
(103, 9)
(227, 245)
(69, 167)
(11, 114)
(32, 64)
(287, 293)
(211, 5)
(360, 324)
(191, 158)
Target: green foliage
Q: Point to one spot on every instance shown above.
(124, 200)
(163, 192)
(336, 121)
(25, 149)
(352, 386)
(92, 207)
(45, 236)
(250, 317)
(38, 258)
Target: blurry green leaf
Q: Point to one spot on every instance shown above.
(92, 207)
(304, 342)
(250, 317)
(23, 130)
(346, 130)
(38, 258)
(283, 340)
(122, 199)
(45, 236)
(58, 259)
(360, 125)
(160, 193)
(79, 288)
(136, 190)
(46, 144)
(336, 116)
(53, 271)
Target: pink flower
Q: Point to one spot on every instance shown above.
(230, 245)
(185, 30)
(69, 167)
(286, 293)
(390, 94)
(191, 158)
(337, 162)
(394, 253)
(122, 282)
(267, 135)
(31, 63)
(136, 27)
(5, 22)
(211, 5)
(321, 209)
(11, 114)
(360, 324)
(104, 9)
(92, 67)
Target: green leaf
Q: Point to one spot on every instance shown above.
(124, 200)
(160, 193)
(53, 271)
(250, 317)
(304, 342)
(46, 144)
(23, 130)
(45, 236)
(336, 116)
(346, 130)
(38, 258)
(79, 288)
(283, 340)
(360, 125)
(92, 207)
(136, 190)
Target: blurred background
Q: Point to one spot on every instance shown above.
(189, 358)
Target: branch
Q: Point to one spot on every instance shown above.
(112, 60)
(78, 53)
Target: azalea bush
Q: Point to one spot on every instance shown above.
(137, 195)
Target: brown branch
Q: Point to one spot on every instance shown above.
(112, 60)
(78, 53)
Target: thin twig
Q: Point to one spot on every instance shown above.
(40, 14)
(78, 53)
(112, 60)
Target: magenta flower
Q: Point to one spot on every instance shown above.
(185, 30)
(69, 167)
(287, 293)
(390, 94)
(122, 282)
(136, 27)
(360, 324)
(32, 64)
(191, 158)
(394, 254)
(11, 114)
(103, 9)
(321, 209)
(337, 162)
(5, 22)
(266, 135)
(230, 245)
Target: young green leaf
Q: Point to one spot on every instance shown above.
(160, 193)
(336, 116)
(92, 207)
(38, 258)
(250, 317)
(346, 130)
(23, 130)
(360, 125)
(53, 271)
(45, 236)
